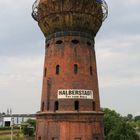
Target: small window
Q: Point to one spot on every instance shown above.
(88, 43)
(77, 139)
(42, 106)
(39, 138)
(93, 105)
(45, 72)
(54, 138)
(96, 138)
(59, 42)
(47, 46)
(75, 68)
(57, 69)
(91, 72)
(75, 41)
(56, 105)
(76, 105)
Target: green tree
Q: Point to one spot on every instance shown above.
(138, 125)
(137, 118)
(123, 132)
(117, 127)
(130, 116)
(111, 120)
(28, 127)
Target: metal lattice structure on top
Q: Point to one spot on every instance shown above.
(70, 15)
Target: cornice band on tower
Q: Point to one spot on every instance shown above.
(70, 33)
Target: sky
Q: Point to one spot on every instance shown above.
(22, 56)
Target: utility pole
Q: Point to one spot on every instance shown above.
(12, 119)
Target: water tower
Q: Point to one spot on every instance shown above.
(70, 104)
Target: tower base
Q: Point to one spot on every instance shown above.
(70, 126)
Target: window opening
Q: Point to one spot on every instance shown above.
(39, 138)
(59, 42)
(47, 45)
(42, 107)
(45, 72)
(54, 138)
(96, 138)
(93, 105)
(75, 41)
(91, 73)
(88, 43)
(77, 139)
(57, 69)
(75, 68)
(56, 106)
(76, 105)
(48, 93)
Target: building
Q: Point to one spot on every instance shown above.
(15, 119)
(70, 104)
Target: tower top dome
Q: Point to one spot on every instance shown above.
(70, 15)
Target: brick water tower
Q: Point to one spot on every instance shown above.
(70, 104)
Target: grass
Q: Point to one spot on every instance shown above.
(8, 137)
(5, 135)
(9, 131)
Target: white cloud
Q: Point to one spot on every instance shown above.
(118, 60)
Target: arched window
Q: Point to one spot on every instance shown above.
(39, 138)
(93, 106)
(75, 41)
(56, 105)
(42, 106)
(88, 43)
(45, 72)
(59, 42)
(75, 68)
(47, 46)
(91, 70)
(54, 138)
(76, 105)
(57, 69)
(77, 139)
(96, 138)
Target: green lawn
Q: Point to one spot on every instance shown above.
(5, 135)
(8, 137)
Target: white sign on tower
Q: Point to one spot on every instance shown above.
(74, 94)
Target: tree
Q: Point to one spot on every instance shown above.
(137, 118)
(117, 128)
(28, 128)
(111, 120)
(123, 132)
(130, 116)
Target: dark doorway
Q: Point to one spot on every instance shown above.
(7, 123)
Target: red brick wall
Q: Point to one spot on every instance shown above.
(66, 55)
(67, 123)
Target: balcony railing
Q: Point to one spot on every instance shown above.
(102, 2)
(104, 8)
(35, 10)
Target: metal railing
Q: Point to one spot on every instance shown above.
(35, 10)
(104, 8)
(102, 2)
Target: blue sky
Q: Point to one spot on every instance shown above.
(22, 56)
